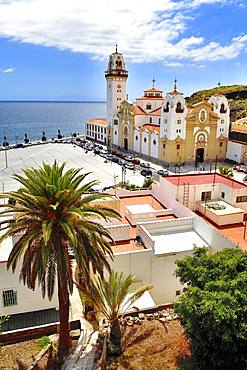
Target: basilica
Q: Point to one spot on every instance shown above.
(160, 126)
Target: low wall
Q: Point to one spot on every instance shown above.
(135, 218)
(145, 237)
(123, 193)
(152, 225)
(119, 232)
(225, 219)
(21, 335)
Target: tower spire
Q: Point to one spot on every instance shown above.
(153, 81)
(175, 84)
(116, 48)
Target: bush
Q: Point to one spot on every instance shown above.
(226, 171)
(213, 310)
(147, 183)
(43, 342)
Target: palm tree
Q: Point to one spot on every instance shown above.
(113, 297)
(53, 217)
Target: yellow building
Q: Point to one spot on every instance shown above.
(163, 127)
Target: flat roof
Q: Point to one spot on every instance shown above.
(201, 179)
(140, 208)
(229, 209)
(174, 241)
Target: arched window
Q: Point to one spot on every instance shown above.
(136, 137)
(150, 119)
(179, 108)
(125, 130)
(222, 108)
(166, 109)
(154, 142)
(120, 64)
(145, 140)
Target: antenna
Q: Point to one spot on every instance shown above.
(116, 48)
(219, 83)
(153, 81)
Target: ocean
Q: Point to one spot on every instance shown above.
(32, 118)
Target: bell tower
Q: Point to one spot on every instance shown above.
(116, 77)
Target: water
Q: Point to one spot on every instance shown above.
(18, 118)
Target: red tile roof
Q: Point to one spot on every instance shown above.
(207, 178)
(97, 121)
(153, 90)
(156, 112)
(150, 127)
(139, 111)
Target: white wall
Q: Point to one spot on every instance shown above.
(234, 151)
(144, 147)
(27, 300)
(154, 148)
(136, 142)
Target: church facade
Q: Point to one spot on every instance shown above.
(163, 127)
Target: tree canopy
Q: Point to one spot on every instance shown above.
(213, 310)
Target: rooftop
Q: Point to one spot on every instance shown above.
(98, 121)
(150, 127)
(202, 179)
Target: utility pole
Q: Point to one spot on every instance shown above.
(5, 149)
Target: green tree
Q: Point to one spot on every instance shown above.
(52, 215)
(112, 297)
(147, 183)
(226, 171)
(214, 308)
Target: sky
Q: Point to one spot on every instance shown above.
(58, 49)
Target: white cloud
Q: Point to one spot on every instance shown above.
(145, 30)
(7, 70)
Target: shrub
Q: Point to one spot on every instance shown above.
(43, 342)
(226, 171)
(147, 183)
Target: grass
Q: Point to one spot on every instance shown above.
(153, 346)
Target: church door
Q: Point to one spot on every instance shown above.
(200, 155)
(125, 144)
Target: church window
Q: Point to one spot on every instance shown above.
(119, 86)
(115, 132)
(150, 119)
(221, 143)
(223, 195)
(159, 121)
(178, 146)
(115, 122)
(222, 121)
(179, 108)
(120, 64)
(164, 146)
(165, 121)
(136, 137)
(154, 142)
(105, 130)
(179, 121)
(166, 109)
(145, 139)
(148, 106)
(125, 130)
(222, 108)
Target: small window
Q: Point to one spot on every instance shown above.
(178, 292)
(223, 195)
(148, 106)
(164, 146)
(179, 121)
(178, 146)
(115, 122)
(9, 298)
(206, 195)
(222, 121)
(221, 143)
(145, 140)
(136, 137)
(165, 121)
(105, 130)
(159, 121)
(115, 132)
(241, 199)
(154, 142)
(150, 119)
(119, 86)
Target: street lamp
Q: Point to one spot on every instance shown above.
(123, 175)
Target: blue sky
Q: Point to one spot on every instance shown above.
(58, 49)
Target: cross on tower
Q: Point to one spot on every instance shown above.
(175, 85)
(153, 80)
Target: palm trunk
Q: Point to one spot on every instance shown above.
(115, 335)
(64, 332)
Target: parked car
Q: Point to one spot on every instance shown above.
(109, 156)
(146, 172)
(130, 166)
(115, 159)
(103, 153)
(114, 152)
(136, 161)
(163, 173)
(128, 158)
(145, 165)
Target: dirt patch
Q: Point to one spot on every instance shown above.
(12, 355)
(153, 346)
